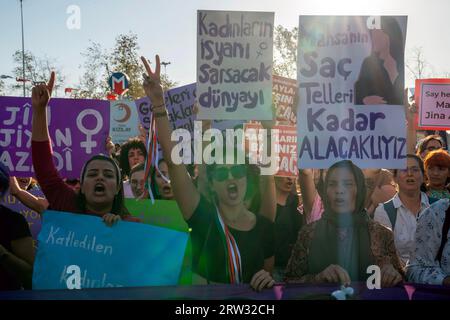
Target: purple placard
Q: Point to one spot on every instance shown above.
(179, 103)
(33, 218)
(78, 129)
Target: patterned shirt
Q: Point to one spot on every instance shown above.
(423, 267)
(439, 194)
(381, 245)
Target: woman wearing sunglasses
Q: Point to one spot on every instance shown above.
(230, 243)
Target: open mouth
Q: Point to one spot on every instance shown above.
(410, 181)
(339, 201)
(99, 189)
(167, 189)
(232, 190)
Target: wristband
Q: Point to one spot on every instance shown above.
(160, 114)
(157, 107)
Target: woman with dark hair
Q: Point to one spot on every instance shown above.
(132, 152)
(429, 144)
(101, 190)
(379, 188)
(288, 222)
(401, 212)
(161, 186)
(437, 169)
(230, 244)
(345, 241)
(381, 79)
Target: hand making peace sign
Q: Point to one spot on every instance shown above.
(152, 82)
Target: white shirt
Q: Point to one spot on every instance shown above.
(405, 225)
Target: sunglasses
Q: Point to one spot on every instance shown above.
(221, 174)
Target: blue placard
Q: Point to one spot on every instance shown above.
(127, 254)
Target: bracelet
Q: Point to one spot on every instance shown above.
(157, 107)
(160, 114)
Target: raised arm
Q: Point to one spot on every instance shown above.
(40, 97)
(268, 206)
(268, 191)
(54, 188)
(184, 190)
(308, 190)
(31, 201)
(411, 134)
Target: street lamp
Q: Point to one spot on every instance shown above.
(165, 64)
(23, 48)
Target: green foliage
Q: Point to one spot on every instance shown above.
(100, 64)
(94, 82)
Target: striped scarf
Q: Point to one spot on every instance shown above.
(233, 265)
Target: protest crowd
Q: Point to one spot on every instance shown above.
(324, 223)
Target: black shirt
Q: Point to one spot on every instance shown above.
(13, 226)
(288, 222)
(208, 252)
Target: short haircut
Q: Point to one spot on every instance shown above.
(133, 143)
(423, 144)
(437, 158)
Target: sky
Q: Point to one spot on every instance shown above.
(169, 28)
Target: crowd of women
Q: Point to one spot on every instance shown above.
(326, 226)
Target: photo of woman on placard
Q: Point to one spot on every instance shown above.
(381, 79)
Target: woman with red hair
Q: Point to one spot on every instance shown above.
(437, 168)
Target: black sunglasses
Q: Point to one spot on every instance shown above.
(221, 174)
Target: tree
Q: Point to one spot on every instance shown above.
(285, 54)
(417, 65)
(125, 58)
(100, 64)
(36, 70)
(2, 88)
(94, 81)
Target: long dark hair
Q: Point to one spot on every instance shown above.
(154, 185)
(118, 206)
(4, 179)
(396, 43)
(360, 184)
(253, 173)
